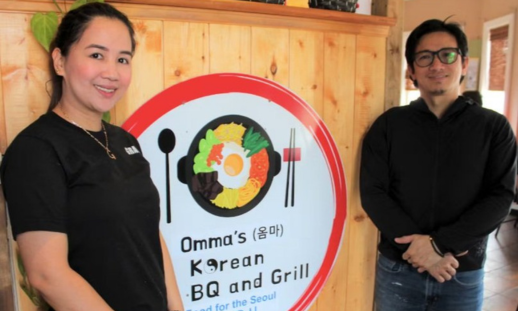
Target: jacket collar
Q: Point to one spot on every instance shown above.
(458, 105)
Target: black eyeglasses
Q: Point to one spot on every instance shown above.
(446, 56)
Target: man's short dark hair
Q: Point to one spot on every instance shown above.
(435, 25)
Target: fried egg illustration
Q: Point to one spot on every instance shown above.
(234, 169)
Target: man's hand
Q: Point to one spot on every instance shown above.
(420, 253)
(444, 269)
(422, 256)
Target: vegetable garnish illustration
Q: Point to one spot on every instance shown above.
(231, 165)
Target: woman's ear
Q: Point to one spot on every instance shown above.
(59, 62)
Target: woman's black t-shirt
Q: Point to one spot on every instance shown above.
(57, 178)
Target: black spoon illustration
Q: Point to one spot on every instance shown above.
(166, 143)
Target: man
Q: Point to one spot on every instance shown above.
(437, 176)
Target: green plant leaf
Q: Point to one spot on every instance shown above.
(44, 27)
(19, 261)
(79, 3)
(107, 116)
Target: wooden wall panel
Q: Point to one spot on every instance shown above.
(23, 64)
(3, 129)
(147, 69)
(394, 50)
(338, 114)
(307, 67)
(229, 48)
(339, 92)
(361, 233)
(186, 51)
(270, 54)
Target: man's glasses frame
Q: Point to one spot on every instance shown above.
(446, 56)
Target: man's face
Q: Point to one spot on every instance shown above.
(438, 78)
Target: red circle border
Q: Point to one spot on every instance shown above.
(222, 83)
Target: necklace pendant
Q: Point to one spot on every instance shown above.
(111, 155)
(108, 151)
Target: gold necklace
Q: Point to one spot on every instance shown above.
(108, 151)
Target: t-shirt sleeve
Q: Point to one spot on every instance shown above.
(35, 186)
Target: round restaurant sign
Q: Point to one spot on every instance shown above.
(252, 190)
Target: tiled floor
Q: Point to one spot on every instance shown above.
(501, 280)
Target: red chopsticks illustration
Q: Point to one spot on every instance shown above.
(291, 162)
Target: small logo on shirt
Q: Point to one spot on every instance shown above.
(131, 150)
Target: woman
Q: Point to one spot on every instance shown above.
(83, 209)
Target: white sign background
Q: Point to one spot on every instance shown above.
(287, 268)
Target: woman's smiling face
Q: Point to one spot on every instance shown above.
(97, 70)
